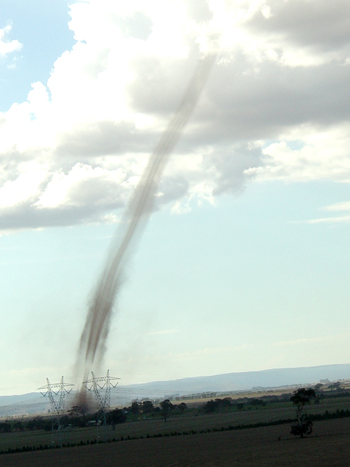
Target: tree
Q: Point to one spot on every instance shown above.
(210, 406)
(115, 416)
(147, 406)
(300, 398)
(135, 408)
(182, 407)
(80, 410)
(18, 426)
(166, 408)
(77, 415)
(5, 427)
(36, 423)
(257, 402)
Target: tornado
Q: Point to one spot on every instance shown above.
(93, 339)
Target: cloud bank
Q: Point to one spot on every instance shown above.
(275, 108)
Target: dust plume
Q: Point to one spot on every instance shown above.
(93, 339)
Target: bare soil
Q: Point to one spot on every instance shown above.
(268, 446)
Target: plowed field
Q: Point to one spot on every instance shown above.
(268, 446)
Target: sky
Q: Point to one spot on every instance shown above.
(244, 262)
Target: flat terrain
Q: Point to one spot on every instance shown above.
(180, 423)
(270, 446)
(329, 445)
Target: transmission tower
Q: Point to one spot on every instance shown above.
(101, 387)
(56, 392)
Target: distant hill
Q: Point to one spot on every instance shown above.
(250, 379)
(36, 403)
(25, 404)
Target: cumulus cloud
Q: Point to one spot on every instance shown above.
(275, 107)
(304, 33)
(8, 46)
(83, 185)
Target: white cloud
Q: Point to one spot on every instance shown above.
(310, 340)
(275, 107)
(302, 32)
(344, 219)
(323, 155)
(344, 206)
(24, 187)
(83, 185)
(8, 46)
(330, 220)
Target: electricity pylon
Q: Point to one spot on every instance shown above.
(56, 392)
(101, 387)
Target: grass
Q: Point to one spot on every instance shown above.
(188, 423)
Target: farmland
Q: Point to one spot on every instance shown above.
(259, 447)
(192, 438)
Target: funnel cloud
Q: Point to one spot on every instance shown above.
(93, 339)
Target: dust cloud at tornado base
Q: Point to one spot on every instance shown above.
(95, 332)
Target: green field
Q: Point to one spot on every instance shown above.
(192, 420)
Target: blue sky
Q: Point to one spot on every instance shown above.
(42, 29)
(243, 265)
